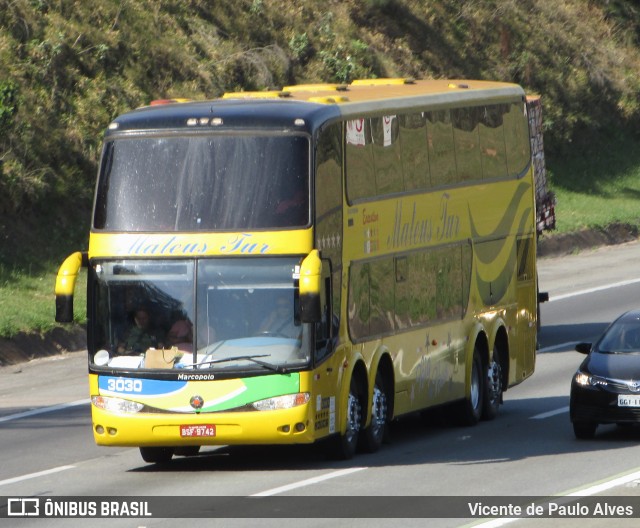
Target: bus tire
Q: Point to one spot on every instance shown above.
(348, 442)
(156, 455)
(374, 435)
(473, 404)
(493, 388)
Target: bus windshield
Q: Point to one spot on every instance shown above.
(198, 182)
(237, 314)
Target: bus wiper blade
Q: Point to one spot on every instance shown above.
(275, 368)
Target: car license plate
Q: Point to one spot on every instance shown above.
(625, 400)
(194, 431)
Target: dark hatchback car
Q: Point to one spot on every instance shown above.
(606, 387)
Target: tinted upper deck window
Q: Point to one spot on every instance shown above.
(190, 183)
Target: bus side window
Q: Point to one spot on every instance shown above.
(441, 148)
(415, 154)
(466, 122)
(492, 143)
(516, 133)
(359, 160)
(386, 154)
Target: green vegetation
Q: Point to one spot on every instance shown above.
(68, 67)
(599, 187)
(27, 302)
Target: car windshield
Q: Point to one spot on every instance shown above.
(621, 337)
(209, 314)
(203, 182)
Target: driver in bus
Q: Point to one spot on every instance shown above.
(141, 335)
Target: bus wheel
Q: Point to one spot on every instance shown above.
(348, 442)
(156, 455)
(472, 406)
(376, 433)
(494, 388)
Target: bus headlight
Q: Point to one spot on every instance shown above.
(116, 405)
(278, 403)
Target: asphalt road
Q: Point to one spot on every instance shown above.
(529, 451)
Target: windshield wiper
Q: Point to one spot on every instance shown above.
(275, 368)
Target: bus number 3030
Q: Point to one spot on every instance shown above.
(124, 385)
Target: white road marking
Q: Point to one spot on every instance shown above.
(560, 346)
(607, 485)
(34, 475)
(43, 410)
(308, 482)
(549, 414)
(613, 482)
(593, 290)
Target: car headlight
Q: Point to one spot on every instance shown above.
(587, 380)
(116, 405)
(278, 403)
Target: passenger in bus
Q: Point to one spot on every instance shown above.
(181, 335)
(293, 210)
(141, 335)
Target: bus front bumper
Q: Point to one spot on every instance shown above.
(290, 426)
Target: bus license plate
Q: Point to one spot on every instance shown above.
(628, 401)
(194, 431)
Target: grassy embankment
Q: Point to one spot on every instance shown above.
(600, 185)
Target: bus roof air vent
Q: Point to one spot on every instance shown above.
(383, 82)
(328, 99)
(273, 94)
(158, 102)
(320, 87)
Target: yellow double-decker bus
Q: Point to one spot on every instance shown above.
(307, 264)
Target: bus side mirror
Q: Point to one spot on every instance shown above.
(310, 282)
(65, 286)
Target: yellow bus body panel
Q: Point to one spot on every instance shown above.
(181, 245)
(232, 427)
(68, 274)
(318, 418)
